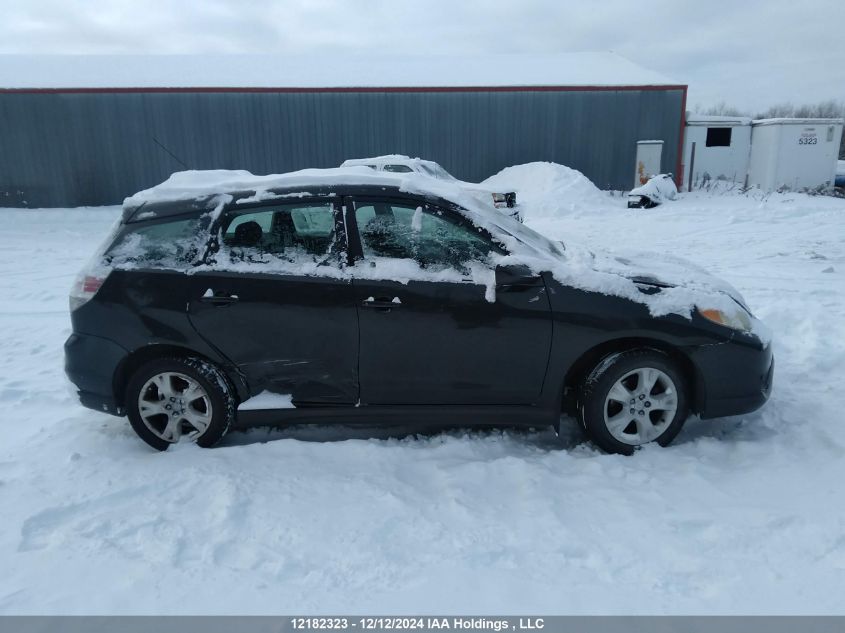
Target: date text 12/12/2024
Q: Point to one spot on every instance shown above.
(417, 624)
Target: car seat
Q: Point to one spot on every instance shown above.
(248, 234)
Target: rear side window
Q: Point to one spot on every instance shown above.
(283, 236)
(399, 169)
(171, 243)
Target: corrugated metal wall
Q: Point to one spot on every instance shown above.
(69, 149)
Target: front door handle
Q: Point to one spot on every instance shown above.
(382, 304)
(219, 297)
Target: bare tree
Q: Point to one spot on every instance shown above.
(722, 109)
(777, 111)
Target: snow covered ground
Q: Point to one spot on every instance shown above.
(743, 515)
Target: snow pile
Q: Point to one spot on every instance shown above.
(549, 190)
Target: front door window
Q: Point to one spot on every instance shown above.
(429, 238)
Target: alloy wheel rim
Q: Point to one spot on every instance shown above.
(173, 405)
(640, 406)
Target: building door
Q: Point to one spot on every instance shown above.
(649, 154)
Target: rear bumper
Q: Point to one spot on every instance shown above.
(736, 377)
(90, 364)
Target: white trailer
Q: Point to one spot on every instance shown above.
(716, 148)
(794, 154)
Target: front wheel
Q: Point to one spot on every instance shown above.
(633, 398)
(174, 399)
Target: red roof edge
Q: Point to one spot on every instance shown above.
(350, 89)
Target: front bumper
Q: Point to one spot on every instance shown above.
(734, 377)
(90, 364)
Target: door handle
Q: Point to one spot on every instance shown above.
(219, 298)
(520, 283)
(382, 304)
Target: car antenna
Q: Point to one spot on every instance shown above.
(172, 155)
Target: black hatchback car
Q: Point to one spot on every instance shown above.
(223, 299)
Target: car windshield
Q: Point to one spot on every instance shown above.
(441, 173)
(435, 171)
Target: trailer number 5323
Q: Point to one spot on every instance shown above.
(808, 140)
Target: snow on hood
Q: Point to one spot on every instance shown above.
(659, 269)
(636, 276)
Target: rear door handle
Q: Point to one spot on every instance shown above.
(218, 297)
(382, 304)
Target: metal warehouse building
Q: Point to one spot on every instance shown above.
(90, 130)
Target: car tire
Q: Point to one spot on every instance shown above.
(632, 398)
(172, 399)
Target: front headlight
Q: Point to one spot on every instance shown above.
(737, 319)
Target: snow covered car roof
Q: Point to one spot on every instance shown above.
(214, 189)
(208, 188)
(322, 71)
(198, 189)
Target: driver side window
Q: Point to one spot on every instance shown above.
(434, 239)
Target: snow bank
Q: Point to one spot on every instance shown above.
(549, 190)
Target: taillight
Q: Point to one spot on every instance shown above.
(91, 284)
(94, 274)
(84, 288)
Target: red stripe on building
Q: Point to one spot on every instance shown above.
(349, 89)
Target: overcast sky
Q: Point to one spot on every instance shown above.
(748, 54)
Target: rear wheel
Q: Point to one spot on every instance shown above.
(179, 399)
(633, 398)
